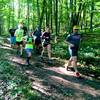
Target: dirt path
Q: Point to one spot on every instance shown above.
(53, 82)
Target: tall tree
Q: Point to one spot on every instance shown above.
(28, 14)
(19, 9)
(91, 15)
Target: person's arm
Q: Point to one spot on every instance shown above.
(42, 36)
(16, 33)
(24, 39)
(67, 41)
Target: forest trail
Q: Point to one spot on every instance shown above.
(51, 80)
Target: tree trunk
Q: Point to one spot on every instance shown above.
(56, 19)
(42, 14)
(13, 16)
(28, 14)
(51, 20)
(18, 9)
(91, 16)
(71, 16)
(38, 12)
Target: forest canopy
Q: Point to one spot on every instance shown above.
(60, 15)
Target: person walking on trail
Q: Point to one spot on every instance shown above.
(19, 33)
(37, 40)
(21, 22)
(12, 37)
(28, 47)
(73, 40)
(46, 42)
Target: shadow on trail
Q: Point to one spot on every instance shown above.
(57, 84)
(54, 82)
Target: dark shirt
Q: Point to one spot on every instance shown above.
(46, 36)
(74, 39)
(12, 32)
(37, 33)
(25, 30)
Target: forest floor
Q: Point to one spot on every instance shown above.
(47, 80)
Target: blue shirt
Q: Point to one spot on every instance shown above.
(74, 39)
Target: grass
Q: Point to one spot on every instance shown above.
(89, 53)
(15, 82)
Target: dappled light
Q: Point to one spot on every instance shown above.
(49, 50)
(17, 60)
(76, 86)
(61, 70)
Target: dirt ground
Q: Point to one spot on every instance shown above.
(52, 81)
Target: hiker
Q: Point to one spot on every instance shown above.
(73, 40)
(37, 40)
(28, 39)
(46, 42)
(19, 33)
(21, 22)
(12, 37)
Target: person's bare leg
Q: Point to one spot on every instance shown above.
(21, 49)
(67, 64)
(74, 63)
(43, 48)
(17, 48)
(28, 58)
(49, 51)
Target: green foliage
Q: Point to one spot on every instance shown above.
(15, 82)
(89, 53)
(11, 11)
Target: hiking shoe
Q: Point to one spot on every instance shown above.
(27, 64)
(77, 74)
(67, 68)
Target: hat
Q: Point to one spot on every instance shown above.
(75, 27)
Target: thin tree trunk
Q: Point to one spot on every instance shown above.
(28, 14)
(71, 15)
(91, 16)
(56, 19)
(51, 16)
(42, 14)
(18, 9)
(13, 15)
(33, 15)
(38, 12)
(9, 17)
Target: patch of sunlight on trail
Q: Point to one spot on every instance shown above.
(17, 60)
(76, 86)
(61, 70)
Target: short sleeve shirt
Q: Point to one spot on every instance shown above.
(74, 39)
(19, 33)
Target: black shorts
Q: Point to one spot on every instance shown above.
(19, 43)
(73, 52)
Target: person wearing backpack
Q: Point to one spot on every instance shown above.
(28, 47)
(46, 42)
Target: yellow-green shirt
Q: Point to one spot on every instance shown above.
(19, 35)
(29, 42)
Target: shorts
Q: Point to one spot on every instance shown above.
(73, 52)
(13, 40)
(19, 43)
(28, 51)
